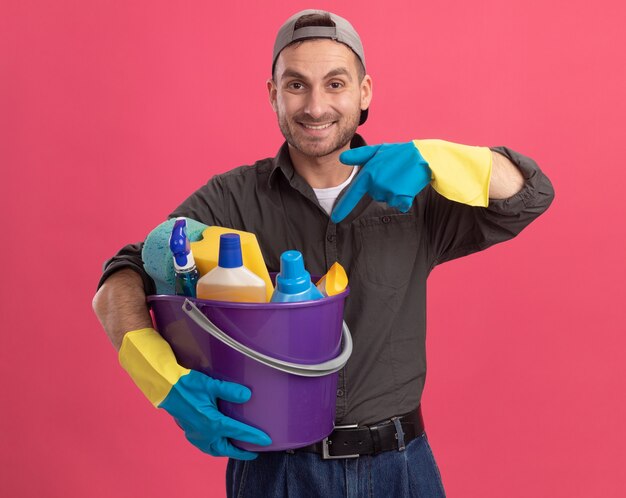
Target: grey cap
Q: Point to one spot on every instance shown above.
(342, 32)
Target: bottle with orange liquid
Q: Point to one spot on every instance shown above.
(230, 280)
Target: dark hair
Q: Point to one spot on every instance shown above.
(321, 19)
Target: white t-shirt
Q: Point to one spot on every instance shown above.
(328, 196)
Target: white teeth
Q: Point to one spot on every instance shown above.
(320, 127)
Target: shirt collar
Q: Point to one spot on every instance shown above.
(282, 161)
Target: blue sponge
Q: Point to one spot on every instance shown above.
(157, 256)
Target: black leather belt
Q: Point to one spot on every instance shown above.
(352, 441)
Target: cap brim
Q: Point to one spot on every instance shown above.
(363, 116)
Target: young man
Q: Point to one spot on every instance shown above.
(427, 202)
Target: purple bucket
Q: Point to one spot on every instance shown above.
(288, 354)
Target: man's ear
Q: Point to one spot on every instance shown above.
(271, 90)
(366, 92)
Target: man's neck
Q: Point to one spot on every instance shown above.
(321, 172)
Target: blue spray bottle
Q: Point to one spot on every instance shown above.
(293, 283)
(184, 265)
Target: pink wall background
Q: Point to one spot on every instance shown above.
(104, 105)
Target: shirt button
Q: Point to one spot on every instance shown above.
(385, 219)
(330, 238)
(339, 393)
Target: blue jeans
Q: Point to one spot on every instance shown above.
(409, 473)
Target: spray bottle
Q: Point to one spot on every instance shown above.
(184, 265)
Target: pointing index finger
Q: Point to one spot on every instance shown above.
(350, 199)
(358, 155)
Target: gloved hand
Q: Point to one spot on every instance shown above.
(396, 173)
(188, 395)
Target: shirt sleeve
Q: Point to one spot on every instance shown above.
(456, 230)
(205, 205)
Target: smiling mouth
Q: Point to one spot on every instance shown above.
(317, 127)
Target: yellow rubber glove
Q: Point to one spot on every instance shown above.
(396, 173)
(460, 173)
(188, 395)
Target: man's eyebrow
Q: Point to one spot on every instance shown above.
(340, 71)
(292, 73)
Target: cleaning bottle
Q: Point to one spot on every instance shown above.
(230, 280)
(206, 253)
(334, 282)
(186, 273)
(293, 283)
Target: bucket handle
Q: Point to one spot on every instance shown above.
(303, 370)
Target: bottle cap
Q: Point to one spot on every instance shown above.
(230, 251)
(293, 278)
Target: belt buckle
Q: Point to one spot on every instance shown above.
(326, 454)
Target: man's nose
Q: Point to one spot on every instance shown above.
(316, 103)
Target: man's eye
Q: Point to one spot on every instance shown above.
(335, 85)
(296, 85)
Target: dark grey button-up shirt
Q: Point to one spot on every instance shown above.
(388, 256)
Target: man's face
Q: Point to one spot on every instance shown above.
(317, 95)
